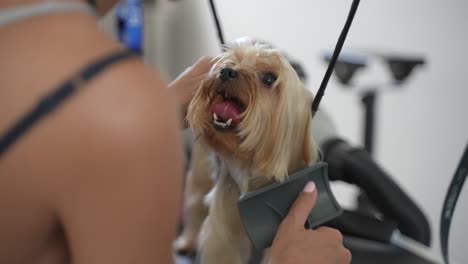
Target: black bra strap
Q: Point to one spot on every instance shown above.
(92, 3)
(51, 101)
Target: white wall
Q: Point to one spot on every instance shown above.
(422, 127)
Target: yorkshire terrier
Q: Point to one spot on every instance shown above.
(252, 122)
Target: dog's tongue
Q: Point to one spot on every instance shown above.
(227, 110)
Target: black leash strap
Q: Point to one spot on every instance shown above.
(334, 58)
(450, 202)
(219, 30)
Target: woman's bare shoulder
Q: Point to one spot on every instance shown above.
(120, 168)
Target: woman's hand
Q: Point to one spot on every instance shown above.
(294, 244)
(186, 84)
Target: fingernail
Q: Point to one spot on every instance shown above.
(310, 187)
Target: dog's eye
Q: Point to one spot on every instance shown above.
(268, 79)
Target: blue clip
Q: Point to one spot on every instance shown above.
(130, 24)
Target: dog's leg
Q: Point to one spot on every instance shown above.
(198, 184)
(223, 239)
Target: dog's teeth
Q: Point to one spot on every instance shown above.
(229, 122)
(221, 124)
(215, 116)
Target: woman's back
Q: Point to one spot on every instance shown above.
(65, 190)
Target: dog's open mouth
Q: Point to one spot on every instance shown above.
(227, 113)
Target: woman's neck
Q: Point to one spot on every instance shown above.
(6, 4)
(48, 47)
(53, 28)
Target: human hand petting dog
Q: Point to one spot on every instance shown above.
(294, 244)
(185, 85)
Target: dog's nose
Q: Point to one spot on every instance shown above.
(227, 74)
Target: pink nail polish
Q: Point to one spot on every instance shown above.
(310, 187)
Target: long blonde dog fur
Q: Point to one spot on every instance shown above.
(272, 140)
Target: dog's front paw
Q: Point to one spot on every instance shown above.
(185, 246)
